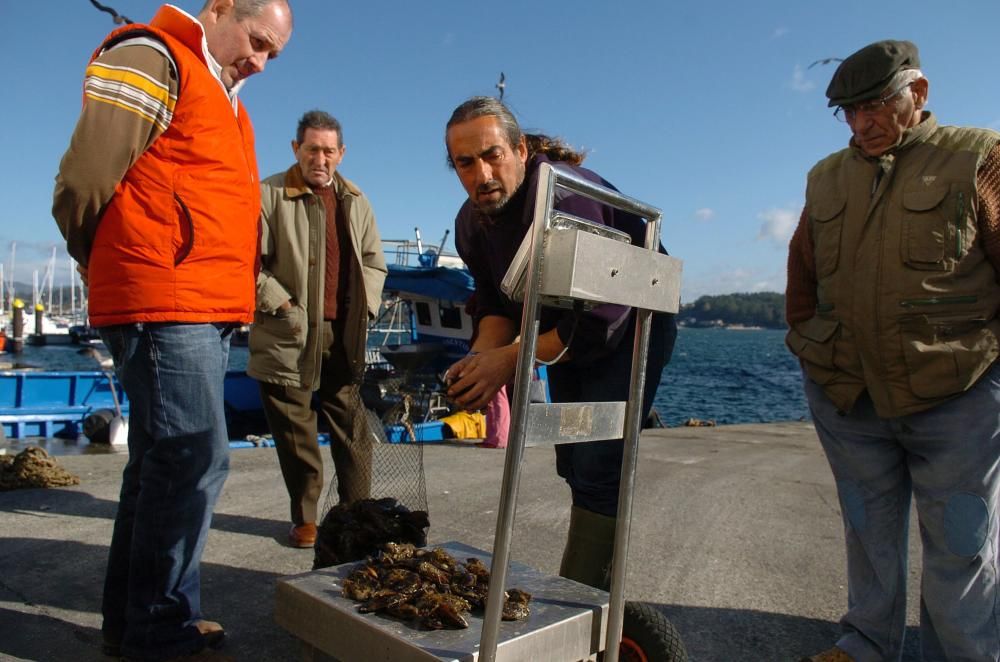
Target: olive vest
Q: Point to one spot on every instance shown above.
(906, 298)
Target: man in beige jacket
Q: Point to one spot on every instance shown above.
(322, 270)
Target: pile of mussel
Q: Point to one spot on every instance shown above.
(352, 531)
(430, 587)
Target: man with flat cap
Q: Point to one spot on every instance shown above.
(892, 305)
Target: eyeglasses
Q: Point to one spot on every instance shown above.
(848, 113)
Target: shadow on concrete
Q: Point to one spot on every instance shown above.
(52, 591)
(713, 634)
(57, 602)
(58, 616)
(41, 502)
(44, 637)
(44, 503)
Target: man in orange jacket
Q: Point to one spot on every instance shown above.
(158, 199)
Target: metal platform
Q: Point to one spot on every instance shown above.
(567, 621)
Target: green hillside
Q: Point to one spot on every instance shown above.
(764, 309)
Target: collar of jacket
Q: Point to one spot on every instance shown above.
(912, 136)
(183, 27)
(296, 186)
(189, 30)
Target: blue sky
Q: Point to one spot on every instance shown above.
(707, 109)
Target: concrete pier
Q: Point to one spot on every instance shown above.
(736, 536)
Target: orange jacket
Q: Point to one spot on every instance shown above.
(179, 240)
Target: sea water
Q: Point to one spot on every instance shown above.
(721, 375)
(731, 376)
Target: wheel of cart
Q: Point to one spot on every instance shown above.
(648, 636)
(567, 261)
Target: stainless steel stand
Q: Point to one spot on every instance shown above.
(574, 265)
(570, 262)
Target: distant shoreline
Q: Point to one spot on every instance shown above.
(731, 327)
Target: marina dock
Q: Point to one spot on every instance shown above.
(736, 537)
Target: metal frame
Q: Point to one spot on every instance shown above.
(549, 179)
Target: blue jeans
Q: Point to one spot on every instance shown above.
(948, 458)
(178, 460)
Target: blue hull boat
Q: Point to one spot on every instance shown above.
(51, 404)
(427, 330)
(55, 404)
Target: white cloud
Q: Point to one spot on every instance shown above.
(779, 32)
(777, 225)
(799, 82)
(704, 214)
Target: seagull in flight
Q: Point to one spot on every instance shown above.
(118, 18)
(826, 60)
(500, 84)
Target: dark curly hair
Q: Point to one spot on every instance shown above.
(537, 143)
(554, 148)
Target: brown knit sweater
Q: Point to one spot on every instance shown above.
(337, 267)
(800, 293)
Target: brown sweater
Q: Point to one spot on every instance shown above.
(111, 134)
(800, 294)
(337, 268)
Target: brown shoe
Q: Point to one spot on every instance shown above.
(833, 655)
(212, 634)
(303, 535)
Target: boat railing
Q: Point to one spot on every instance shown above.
(413, 253)
(390, 327)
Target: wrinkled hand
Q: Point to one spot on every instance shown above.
(82, 270)
(286, 305)
(474, 380)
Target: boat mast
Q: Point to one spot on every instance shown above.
(83, 301)
(50, 271)
(12, 293)
(72, 288)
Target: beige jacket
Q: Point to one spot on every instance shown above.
(286, 346)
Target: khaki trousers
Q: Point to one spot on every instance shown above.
(293, 423)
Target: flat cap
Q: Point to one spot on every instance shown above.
(866, 73)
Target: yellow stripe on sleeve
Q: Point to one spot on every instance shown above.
(153, 119)
(133, 78)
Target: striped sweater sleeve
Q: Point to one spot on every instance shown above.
(129, 98)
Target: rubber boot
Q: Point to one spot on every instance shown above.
(590, 546)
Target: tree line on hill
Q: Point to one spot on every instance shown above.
(763, 309)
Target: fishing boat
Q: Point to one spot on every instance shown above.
(422, 330)
(54, 404)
